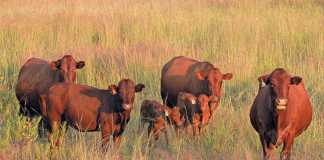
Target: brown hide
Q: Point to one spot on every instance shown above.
(183, 74)
(37, 75)
(285, 112)
(195, 111)
(155, 114)
(90, 109)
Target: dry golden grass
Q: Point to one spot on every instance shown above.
(134, 38)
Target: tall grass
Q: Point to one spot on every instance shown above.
(134, 38)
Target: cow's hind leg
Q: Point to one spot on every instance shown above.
(23, 109)
(166, 135)
(168, 101)
(54, 134)
(43, 128)
(118, 132)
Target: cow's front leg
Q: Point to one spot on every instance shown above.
(54, 134)
(288, 143)
(282, 135)
(106, 131)
(117, 135)
(267, 148)
(42, 128)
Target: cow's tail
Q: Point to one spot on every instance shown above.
(43, 104)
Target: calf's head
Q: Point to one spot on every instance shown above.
(126, 92)
(280, 81)
(213, 79)
(67, 67)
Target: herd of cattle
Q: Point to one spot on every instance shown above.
(190, 90)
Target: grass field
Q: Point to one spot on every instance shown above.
(134, 38)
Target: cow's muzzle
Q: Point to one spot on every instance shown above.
(281, 104)
(127, 106)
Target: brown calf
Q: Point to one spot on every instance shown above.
(90, 109)
(196, 111)
(155, 114)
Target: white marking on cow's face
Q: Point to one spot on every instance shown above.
(263, 84)
(127, 106)
(193, 101)
(113, 92)
(166, 113)
(280, 107)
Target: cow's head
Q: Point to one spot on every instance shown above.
(67, 67)
(126, 92)
(213, 79)
(280, 81)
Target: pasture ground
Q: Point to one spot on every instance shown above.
(134, 38)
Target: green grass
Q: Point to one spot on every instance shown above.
(134, 38)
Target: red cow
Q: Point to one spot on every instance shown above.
(36, 76)
(281, 111)
(183, 74)
(90, 109)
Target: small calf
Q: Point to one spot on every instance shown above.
(156, 114)
(195, 111)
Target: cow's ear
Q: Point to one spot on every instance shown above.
(80, 64)
(113, 89)
(295, 80)
(139, 87)
(56, 64)
(201, 75)
(263, 80)
(227, 76)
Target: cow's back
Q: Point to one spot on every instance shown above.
(34, 79)
(80, 104)
(35, 76)
(175, 73)
(179, 75)
(299, 110)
